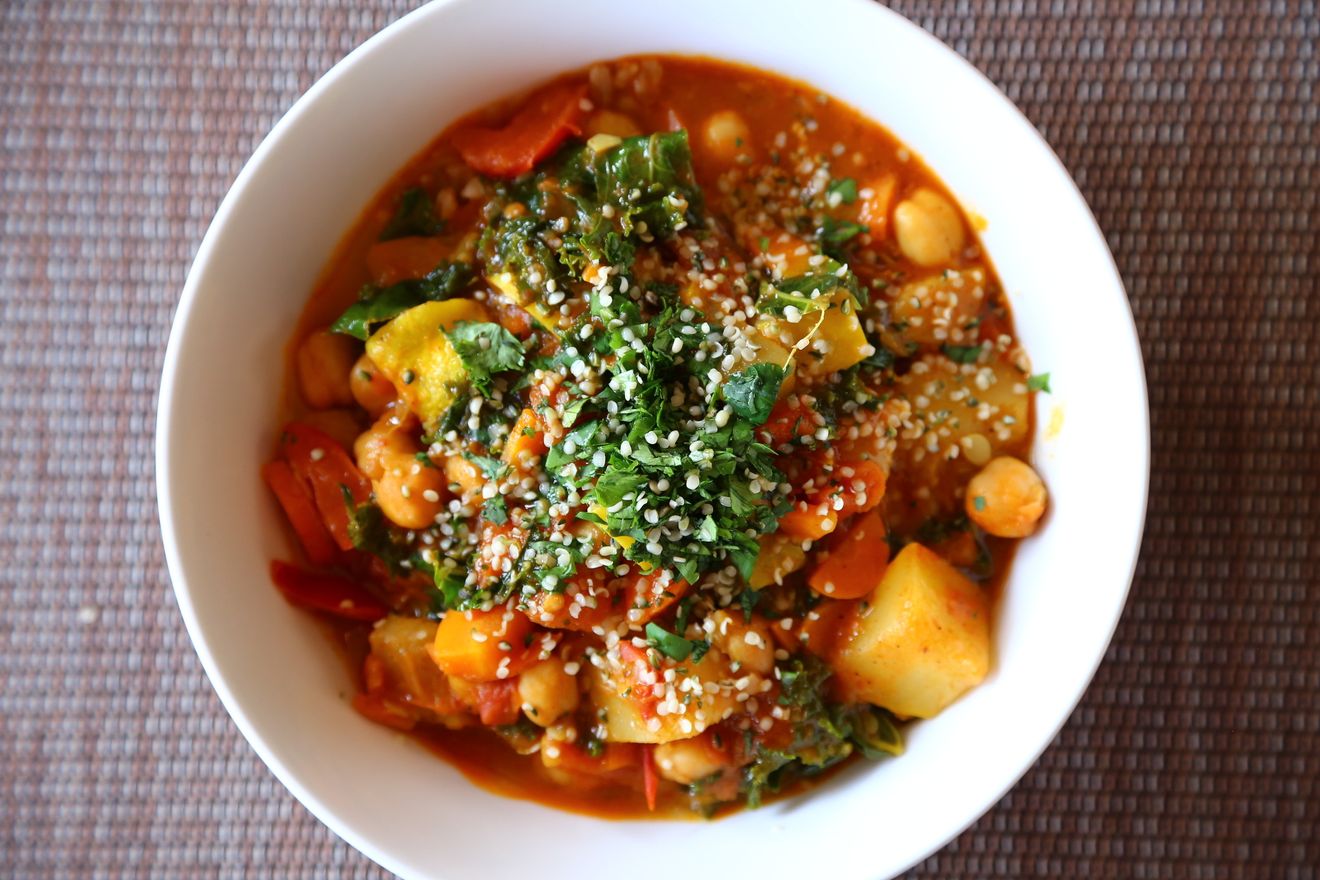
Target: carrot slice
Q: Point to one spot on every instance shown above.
(323, 464)
(539, 127)
(857, 560)
(300, 507)
(329, 594)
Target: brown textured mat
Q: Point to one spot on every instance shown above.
(1192, 129)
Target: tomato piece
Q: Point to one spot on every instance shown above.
(497, 702)
(404, 259)
(541, 125)
(327, 593)
(295, 497)
(322, 463)
(789, 419)
(646, 598)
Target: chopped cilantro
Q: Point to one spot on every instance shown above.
(845, 188)
(751, 392)
(485, 349)
(672, 646)
(1039, 382)
(962, 354)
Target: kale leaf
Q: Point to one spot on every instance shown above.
(377, 305)
(414, 215)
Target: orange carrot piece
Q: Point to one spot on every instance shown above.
(468, 644)
(857, 560)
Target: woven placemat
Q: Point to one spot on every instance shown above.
(1190, 126)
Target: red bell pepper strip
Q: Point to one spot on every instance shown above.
(650, 779)
(295, 496)
(539, 127)
(323, 464)
(327, 593)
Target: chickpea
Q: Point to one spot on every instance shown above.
(726, 134)
(609, 122)
(750, 645)
(686, 761)
(929, 228)
(370, 388)
(1007, 498)
(389, 434)
(409, 490)
(547, 692)
(466, 476)
(324, 359)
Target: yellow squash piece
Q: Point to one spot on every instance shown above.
(413, 353)
(923, 640)
(504, 284)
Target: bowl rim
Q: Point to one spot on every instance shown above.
(200, 266)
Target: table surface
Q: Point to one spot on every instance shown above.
(1191, 127)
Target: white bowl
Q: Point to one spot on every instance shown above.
(280, 679)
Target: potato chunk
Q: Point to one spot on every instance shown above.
(410, 675)
(414, 353)
(922, 640)
(625, 693)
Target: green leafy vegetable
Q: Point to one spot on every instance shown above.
(377, 305)
(1039, 382)
(648, 180)
(496, 510)
(834, 234)
(845, 188)
(414, 215)
(672, 646)
(751, 392)
(485, 350)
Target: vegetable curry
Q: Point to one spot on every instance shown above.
(657, 438)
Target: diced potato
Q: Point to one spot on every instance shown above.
(628, 705)
(400, 644)
(413, 352)
(504, 284)
(940, 309)
(839, 342)
(922, 640)
(989, 405)
(780, 556)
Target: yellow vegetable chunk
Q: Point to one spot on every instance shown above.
(400, 644)
(413, 353)
(780, 556)
(624, 693)
(922, 640)
(836, 345)
(504, 284)
(940, 309)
